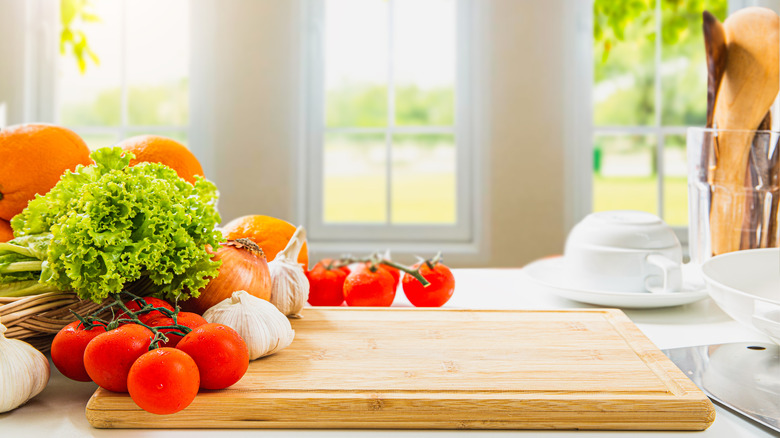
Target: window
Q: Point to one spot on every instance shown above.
(387, 146)
(132, 78)
(650, 82)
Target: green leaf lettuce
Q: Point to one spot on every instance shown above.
(111, 224)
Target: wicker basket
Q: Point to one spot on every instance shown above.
(37, 318)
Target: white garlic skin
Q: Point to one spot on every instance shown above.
(24, 372)
(264, 328)
(289, 285)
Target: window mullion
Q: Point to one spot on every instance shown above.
(123, 102)
(658, 110)
(390, 111)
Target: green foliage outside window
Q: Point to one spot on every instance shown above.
(73, 15)
(148, 105)
(365, 106)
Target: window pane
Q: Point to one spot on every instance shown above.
(624, 174)
(94, 97)
(423, 180)
(180, 136)
(424, 62)
(684, 68)
(356, 63)
(158, 62)
(624, 69)
(99, 140)
(675, 181)
(355, 186)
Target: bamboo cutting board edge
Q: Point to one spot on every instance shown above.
(682, 407)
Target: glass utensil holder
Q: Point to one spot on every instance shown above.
(734, 189)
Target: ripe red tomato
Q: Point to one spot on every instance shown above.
(326, 286)
(163, 381)
(220, 353)
(67, 349)
(395, 273)
(110, 355)
(133, 306)
(366, 287)
(188, 319)
(435, 294)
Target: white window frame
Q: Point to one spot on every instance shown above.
(326, 237)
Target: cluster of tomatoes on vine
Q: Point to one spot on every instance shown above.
(374, 280)
(161, 356)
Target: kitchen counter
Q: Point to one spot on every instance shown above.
(59, 410)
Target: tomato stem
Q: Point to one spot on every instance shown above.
(433, 261)
(376, 259)
(131, 317)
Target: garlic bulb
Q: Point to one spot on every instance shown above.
(24, 372)
(264, 328)
(289, 285)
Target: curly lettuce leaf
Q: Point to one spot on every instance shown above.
(43, 211)
(111, 224)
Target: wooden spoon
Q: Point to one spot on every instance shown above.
(715, 46)
(747, 90)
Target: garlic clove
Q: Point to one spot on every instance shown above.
(24, 372)
(289, 285)
(264, 328)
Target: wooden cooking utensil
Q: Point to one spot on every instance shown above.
(715, 46)
(747, 90)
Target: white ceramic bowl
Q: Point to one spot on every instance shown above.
(624, 251)
(746, 285)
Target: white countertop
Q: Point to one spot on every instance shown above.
(59, 410)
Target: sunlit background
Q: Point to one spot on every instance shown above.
(389, 98)
(134, 75)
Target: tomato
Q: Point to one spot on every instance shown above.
(395, 273)
(435, 294)
(110, 355)
(163, 381)
(220, 353)
(188, 319)
(133, 306)
(326, 286)
(367, 287)
(67, 349)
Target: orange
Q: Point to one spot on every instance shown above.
(32, 159)
(157, 149)
(269, 233)
(6, 233)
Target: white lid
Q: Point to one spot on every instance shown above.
(626, 229)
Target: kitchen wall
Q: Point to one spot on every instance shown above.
(245, 123)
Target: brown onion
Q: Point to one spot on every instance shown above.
(243, 268)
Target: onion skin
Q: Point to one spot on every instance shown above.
(244, 267)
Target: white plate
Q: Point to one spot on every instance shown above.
(550, 273)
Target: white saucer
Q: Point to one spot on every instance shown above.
(550, 273)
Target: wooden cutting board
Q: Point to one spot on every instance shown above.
(445, 369)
